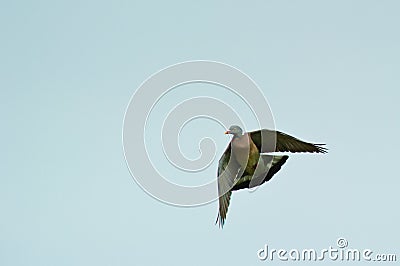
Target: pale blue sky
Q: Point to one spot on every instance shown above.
(330, 71)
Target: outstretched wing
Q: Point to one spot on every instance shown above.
(265, 139)
(228, 173)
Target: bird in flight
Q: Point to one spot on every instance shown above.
(245, 164)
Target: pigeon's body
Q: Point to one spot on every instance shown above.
(244, 163)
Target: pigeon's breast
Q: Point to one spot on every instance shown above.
(245, 152)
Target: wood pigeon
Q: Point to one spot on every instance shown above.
(244, 164)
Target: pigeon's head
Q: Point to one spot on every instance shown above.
(236, 131)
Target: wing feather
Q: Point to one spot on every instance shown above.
(228, 170)
(265, 139)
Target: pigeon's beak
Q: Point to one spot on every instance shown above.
(227, 132)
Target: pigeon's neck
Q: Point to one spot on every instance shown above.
(238, 136)
(241, 140)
